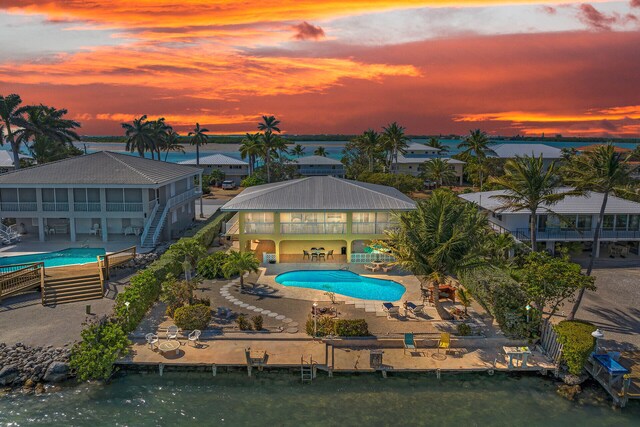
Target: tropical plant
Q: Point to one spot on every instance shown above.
(438, 171)
(251, 181)
(10, 112)
(269, 124)
(198, 137)
(476, 144)
(529, 186)
(172, 143)
(577, 343)
(464, 296)
(44, 150)
(395, 142)
(298, 150)
(403, 182)
(258, 322)
(320, 151)
(271, 145)
(216, 177)
(243, 323)
(188, 249)
(251, 148)
(160, 135)
(192, 317)
(177, 293)
(47, 123)
(211, 266)
(140, 135)
(240, 263)
(601, 170)
(440, 238)
(370, 143)
(435, 143)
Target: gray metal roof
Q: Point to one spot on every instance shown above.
(422, 147)
(320, 193)
(316, 160)
(103, 167)
(509, 151)
(419, 160)
(589, 204)
(216, 160)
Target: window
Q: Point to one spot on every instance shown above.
(568, 222)
(258, 217)
(584, 222)
(542, 222)
(621, 222)
(634, 222)
(364, 217)
(608, 221)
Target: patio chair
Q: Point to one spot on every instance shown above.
(172, 332)
(409, 342)
(371, 267)
(387, 268)
(314, 254)
(330, 254)
(391, 309)
(194, 337)
(306, 254)
(152, 340)
(415, 309)
(95, 230)
(321, 255)
(445, 341)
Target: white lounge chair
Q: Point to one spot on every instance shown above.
(416, 310)
(172, 332)
(194, 337)
(387, 268)
(371, 267)
(152, 339)
(391, 309)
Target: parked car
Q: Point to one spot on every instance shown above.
(228, 185)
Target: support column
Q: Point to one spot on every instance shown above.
(40, 228)
(72, 229)
(103, 226)
(201, 194)
(103, 211)
(349, 243)
(277, 245)
(276, 234)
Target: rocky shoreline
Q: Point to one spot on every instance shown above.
(30, 368)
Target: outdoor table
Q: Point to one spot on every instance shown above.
(167, 346)
(521, 353)
(378, 263)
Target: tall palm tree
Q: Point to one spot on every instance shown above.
(10, 112)
(298, 150)
(476, 144)
(370, 143)
(529, 186)
(140, 135)
(269, 141)
(251, 148)
(269, 123)
(435, 143)
(601, 170)
(320, 151)
(442, 237)
(395, 141)
(198, 137)
(172, 143)
(161, 131)
(240, 263)
(437, 170)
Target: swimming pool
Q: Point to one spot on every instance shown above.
(68, 256)
(344, 283)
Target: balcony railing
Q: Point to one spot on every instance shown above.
(313, 227)
(258, 228)
(86, 206)
(124, 207)
(558, 234)
(55, 207)
(371, 227)
(19, 206)
(320, 171)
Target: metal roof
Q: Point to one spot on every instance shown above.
(509, 151)
(102, 167)
(589, 204)
(6, 158)
(419, 160)
(316, 160)
(422, 147)
(215, 160)
(320, 193)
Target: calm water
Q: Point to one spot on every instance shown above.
(276, 399)
(55, 259)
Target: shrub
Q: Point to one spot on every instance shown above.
(192, 317)
(252, 180)
(257, 322)
(341, 327)
(190, 249)
(103, 343)
(142, 292)
(464, 329)
(243, 323)
(176, 293)
(577, 343)
(211, 266)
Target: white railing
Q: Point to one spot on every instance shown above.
(124, 207)
(258, 228)
(175, 200)
(362, 258)
(55, 207)
(163, 218)
(233, 225)
(145, 232)
(313, 227)
(189, 194)
(86, 206)
(19, 206)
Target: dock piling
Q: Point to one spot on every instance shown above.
(214, 370)
(161, 368)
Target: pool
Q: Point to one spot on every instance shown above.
(344, 283)
(56, 259)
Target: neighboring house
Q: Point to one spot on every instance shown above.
(234, 169)
(105, 195)
(6, 160)
(417, 149)
(282, 220)
(511, 151)
(573, 219)
(411, 165)
(319, 166)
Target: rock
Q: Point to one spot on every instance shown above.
(56, 372)
(8, 374)
(569, 391)
(571, 379)
(40, 388)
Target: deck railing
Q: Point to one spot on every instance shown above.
(258, 228)
(361, 258)
(55, 206)
(558, 234)
(19, 206)
(124, 207)
(371, 227)
(17, 278)
(86, 206)
(105, 262)
(313, 227)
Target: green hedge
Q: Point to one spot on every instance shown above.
(192, 317)
(326, 325)
(577, 343)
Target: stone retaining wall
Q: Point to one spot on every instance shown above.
(30, 367)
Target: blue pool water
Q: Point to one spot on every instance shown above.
(344, 283)
(56, 259)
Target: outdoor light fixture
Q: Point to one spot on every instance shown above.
(598, 335)
(528, 308)
(315, 319)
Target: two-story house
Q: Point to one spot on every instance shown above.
(319, 166)
(281, 221)
(104, 196)
(234, 169)
(416, 154)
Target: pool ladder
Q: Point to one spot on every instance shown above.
(307, 369)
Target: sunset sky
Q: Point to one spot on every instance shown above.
(507, 67)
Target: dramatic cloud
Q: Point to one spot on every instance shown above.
(594, 18)
(635, 3)
(306, 31)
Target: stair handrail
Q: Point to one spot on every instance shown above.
(147, 226)
(158, 230)
(173, 201)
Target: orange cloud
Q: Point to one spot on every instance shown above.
(185, 120)
(614, 113)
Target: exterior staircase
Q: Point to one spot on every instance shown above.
(8, 235)
(71, 289)
(155, 225)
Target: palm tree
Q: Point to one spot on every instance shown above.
(269, 124)
(240, 263)
(320, 151)
(476, 144)
(437, 170)
(604, 171)
(198, 137)
(10, 112)
(251, 148)
(442, 237)
(370, 143)
(395, 141)
(140, 135)
(435, 143)
(272, 146)
(161, 131)
(172, 143)
(298, 150)
(529, 186)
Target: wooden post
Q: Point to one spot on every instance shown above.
(42, 282)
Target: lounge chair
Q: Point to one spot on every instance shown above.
(415, 309)
(387, 268)
(409, 343)
(391, 309)
(172, 332)
(371, 267)
(152, 339)
(194, 337)
(445, 341)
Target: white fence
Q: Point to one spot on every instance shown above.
(363, 258)
(266, 258)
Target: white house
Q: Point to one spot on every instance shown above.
(417, 149)
(234, 169)
(411, 165)
(319, 166)
(6, 160)
(573, 219)
(513, 150)
(104, 195)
